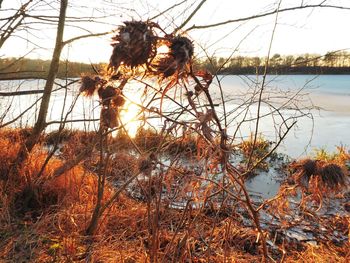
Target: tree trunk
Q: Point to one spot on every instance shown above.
(53, 70)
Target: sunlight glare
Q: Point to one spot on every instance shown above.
(163, 49)
(129, 118)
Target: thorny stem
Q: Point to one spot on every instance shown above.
(254, 213)
(231, 171)
(100, 184)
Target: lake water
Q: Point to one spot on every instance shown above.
(326, 97)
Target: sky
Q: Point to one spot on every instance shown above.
(297, 32)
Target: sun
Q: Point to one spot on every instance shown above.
(163, 49)
(129, 117)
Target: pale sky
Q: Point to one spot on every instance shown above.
(298, 32)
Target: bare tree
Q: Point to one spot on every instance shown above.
(41, 120)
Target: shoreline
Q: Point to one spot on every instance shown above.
(224, 74)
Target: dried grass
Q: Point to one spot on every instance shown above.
(255, 152)
(53, 208)
(9, 150)
(323, 253)
(122, 166)
(127, 231)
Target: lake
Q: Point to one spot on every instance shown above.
(329, 95)
(320, 104)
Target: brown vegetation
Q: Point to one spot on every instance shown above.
(133, 45)
(78, 203)
(254, 153)
(328, 174)
(47, 222)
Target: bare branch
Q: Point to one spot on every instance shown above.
(190, 16)
(85, 36)
(265, 14)
(168, 9)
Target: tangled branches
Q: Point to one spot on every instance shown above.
(136, 57)
(135, 46)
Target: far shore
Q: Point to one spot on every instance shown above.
(5, 77)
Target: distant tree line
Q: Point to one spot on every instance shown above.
(331, 63)
(19, 68)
